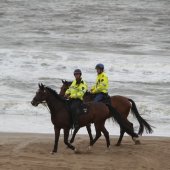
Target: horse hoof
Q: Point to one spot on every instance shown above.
(108, 149)
(52, 153)
(137, 142)
(118, 144)
(76, 151)
(89, 148)
(71, 141)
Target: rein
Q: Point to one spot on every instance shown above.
(45, 104)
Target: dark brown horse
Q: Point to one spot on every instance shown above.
(122, 104)
(60, 117)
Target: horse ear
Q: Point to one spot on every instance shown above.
(42, 86)
(66, 82)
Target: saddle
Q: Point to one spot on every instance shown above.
(76, 110)
(106, 99)
(84, 108)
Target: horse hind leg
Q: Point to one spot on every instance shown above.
(120, 137)
(135, 137)
(131, 132)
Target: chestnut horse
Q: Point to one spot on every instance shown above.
(122, 104)
(97, 113)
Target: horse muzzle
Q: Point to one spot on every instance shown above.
(34, 103)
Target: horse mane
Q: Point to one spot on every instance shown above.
(55, 94)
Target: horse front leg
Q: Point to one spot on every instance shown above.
(120, 137)
(106, 134)
(74, 134)
(88, 127)
(98, 134)
(57, 134)
(66, 135)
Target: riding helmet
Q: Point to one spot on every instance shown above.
(77, 71)
(99, 66)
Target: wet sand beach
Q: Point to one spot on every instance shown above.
(27, 151)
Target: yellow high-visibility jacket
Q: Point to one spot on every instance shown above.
(101, 85)
(77, 91)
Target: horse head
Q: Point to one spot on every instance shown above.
(64, 87)
(40, 95)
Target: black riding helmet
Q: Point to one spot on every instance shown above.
(99, 66)
(77, 71)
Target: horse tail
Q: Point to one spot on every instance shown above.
(123, 123)
(142, 122)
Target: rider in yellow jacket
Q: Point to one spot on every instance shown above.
(77, 90)
(101, 86)
(75, 93)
